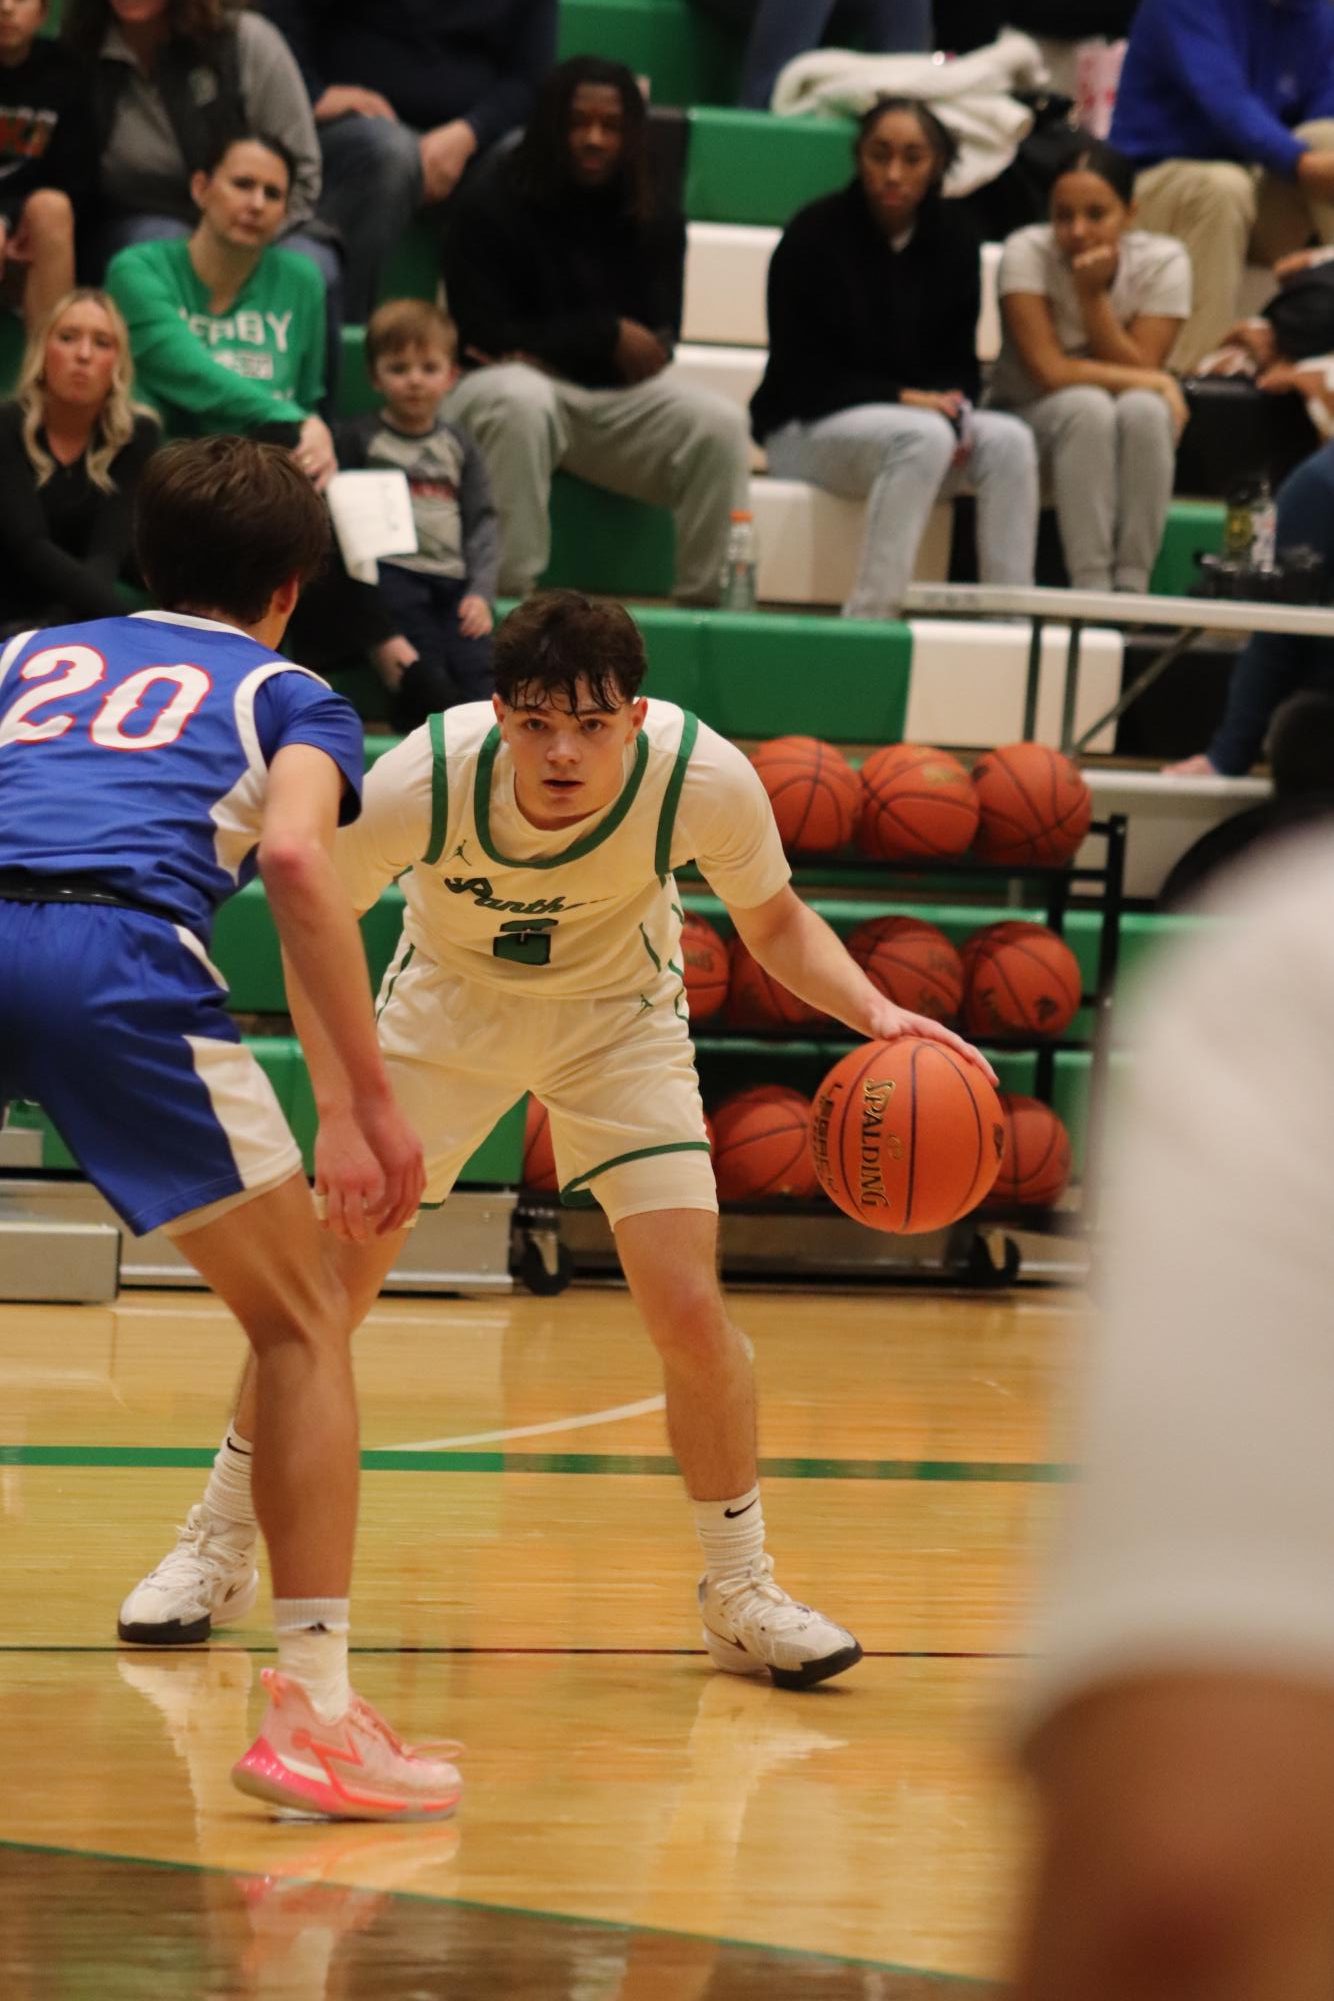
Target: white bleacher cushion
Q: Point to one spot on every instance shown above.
(727, 269)
(969, 678)
(1166, 815)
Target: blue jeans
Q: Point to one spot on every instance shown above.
(1274, 665)
(787, 28)
(900, 461)
(127, 229)
(372, 188)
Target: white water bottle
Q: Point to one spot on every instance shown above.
(738, 578)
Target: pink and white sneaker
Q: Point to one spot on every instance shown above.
(352, 1769)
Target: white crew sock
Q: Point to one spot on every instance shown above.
(731, 1533)
(227, 1495)
(312, 1649)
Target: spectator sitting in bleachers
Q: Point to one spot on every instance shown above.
(1274, 665)
(1226, 108)
(873, 303)
(434, 606)
(405, 96)
(72, 447)
(565, 275)
(1090, 307)
(48, 163)
(778, 30)
(170, 78)
(227, 330)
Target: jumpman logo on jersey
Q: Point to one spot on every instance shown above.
(460, 853)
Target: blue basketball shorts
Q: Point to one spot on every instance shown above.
(115, 1023)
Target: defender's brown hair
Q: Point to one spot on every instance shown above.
(221, 523)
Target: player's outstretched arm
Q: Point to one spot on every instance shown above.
(794, 943)
(382, 1177)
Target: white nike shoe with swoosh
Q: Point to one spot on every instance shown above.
(752, 1626)
(210, 1579)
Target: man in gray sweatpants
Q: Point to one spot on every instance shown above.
(565, 276)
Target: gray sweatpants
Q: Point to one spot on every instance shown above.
(662, 441)
(900, 460)
(1108, 463)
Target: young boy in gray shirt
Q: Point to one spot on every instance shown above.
(434, 607)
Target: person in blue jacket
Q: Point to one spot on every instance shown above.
(1227, 109)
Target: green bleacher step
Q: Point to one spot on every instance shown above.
(748, 166)
(687, 57)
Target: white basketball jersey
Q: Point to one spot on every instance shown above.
(598, 915)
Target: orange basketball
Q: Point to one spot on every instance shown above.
(1035, 1162)
(704, 957)
(906, 1136)
(912, 963)
(756, 1000)
(539, 1160)
(763, 1145)
(1033, 806)
(1020, 979)
(814, 791)
(917, 804)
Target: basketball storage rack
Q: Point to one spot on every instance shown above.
(794, 1241)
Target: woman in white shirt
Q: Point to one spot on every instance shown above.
(1090, 308)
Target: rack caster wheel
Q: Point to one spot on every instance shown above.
(993, 1260)
(544, 1265)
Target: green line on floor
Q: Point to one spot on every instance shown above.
(987, 1472)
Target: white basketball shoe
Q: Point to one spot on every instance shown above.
(751, 1626)
(208, 1580)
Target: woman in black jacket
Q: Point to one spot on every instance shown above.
(72, 448)
(873, 302)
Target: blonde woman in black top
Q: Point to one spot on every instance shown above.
(72, 446)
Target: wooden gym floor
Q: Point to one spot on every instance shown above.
(635, 1826)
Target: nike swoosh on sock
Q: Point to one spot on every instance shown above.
(732, 1513)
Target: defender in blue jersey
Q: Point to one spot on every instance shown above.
(148, 767)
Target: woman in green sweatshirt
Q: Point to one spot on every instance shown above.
(227, 331)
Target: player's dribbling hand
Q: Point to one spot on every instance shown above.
(888, 1023)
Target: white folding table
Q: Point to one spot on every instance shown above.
(1191, 616)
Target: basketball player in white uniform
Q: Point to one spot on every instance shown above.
(1181, 1722)
(541, 952)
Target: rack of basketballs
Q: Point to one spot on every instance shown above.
(905, 1136)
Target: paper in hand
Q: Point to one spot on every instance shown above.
(372, 516)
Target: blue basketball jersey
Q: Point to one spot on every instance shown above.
(136, 751)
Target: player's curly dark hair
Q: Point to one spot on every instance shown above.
(83, 23)
(222, 523)
(542, 158)
(556, 639)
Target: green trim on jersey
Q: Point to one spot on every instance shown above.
(435, 846)
(573, 1191)
(486, 759)
(671, 798)
(398, 972)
